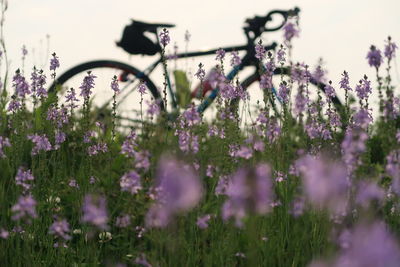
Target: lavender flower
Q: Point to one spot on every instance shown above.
(325, 183)
(87, 85)
(248, 191)
(70, 98)
(374, 57)
(290, 30)
(24, 209)
(281, 55)
(202, 222)
(390, 49)
(114, 85)
(54, 62)
(363, 89)
(370, 245)
(60, 229)
(220, 54)
(180, 190)
(368, 191)
(164, 37)
(41, 143)
(344, 82)
(95, 211)
(4, 142)
(235, 59)
(260, 51)
(130, 182)
(153, 108)
(283, 92)
(20, 84)
(23, 177)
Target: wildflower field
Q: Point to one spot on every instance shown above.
(301, 181)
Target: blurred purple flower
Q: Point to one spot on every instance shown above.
(325, 183)
(235, 59)
(202, 222)
(4, 142)
(123, 221)
(20, 84)
(23, 178)
(344, 82)
(61, 229)
(180, 190)
(290, 30)
(390, 49)
(260, 51)
(142, 88)
(363, 89)
(248, 191)
(24, 209)
(368, 191)
(95, 211)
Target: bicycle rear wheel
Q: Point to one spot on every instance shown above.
(128, 101)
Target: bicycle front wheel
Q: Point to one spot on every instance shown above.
(128, 101)
(256, 100)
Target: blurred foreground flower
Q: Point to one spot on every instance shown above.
(178, 190)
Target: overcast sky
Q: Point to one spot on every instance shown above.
(340, 31)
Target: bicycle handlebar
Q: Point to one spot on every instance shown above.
(257, 25)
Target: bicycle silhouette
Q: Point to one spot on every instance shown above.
(135, 42)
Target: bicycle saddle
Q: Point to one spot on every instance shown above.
(151, 27)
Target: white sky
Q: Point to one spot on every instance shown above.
(340, 31)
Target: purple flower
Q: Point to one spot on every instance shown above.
(191, 116)
(24, 51)
(4, 142)
(283, 92)
(130, 182)
(95, 211)
(353, 146)
(248, 191)
(220, 54)
(363, 89)
(4, 234)
(73, 183)
(290, 30)
(60, 138)
(244, 152)
(24, 209)
(153, 108)
(319, 73)
(20, 84)
(374, 57)
(114, 85)
(330, 91)
(180, 190)
(97, 148)
(344, 82)
(200, 74)
(14, 105)
(142, 88)
(123, 221)
(325, 183)
(129, 144)
(281, 55)
(368, 191)
(260, 51)
(70, 98)
(87, 85)
(41, 143)
(23, 177)
(54, 62)
(61, 229)
(370, 245)
(202, 222)
(164, 37)
(390, 49)
(235, 59)
(141, 260)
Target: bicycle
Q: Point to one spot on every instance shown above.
(134, 42)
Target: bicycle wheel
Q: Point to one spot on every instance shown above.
(252, 85)
(128, 101)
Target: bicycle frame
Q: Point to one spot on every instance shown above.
(247, 60)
